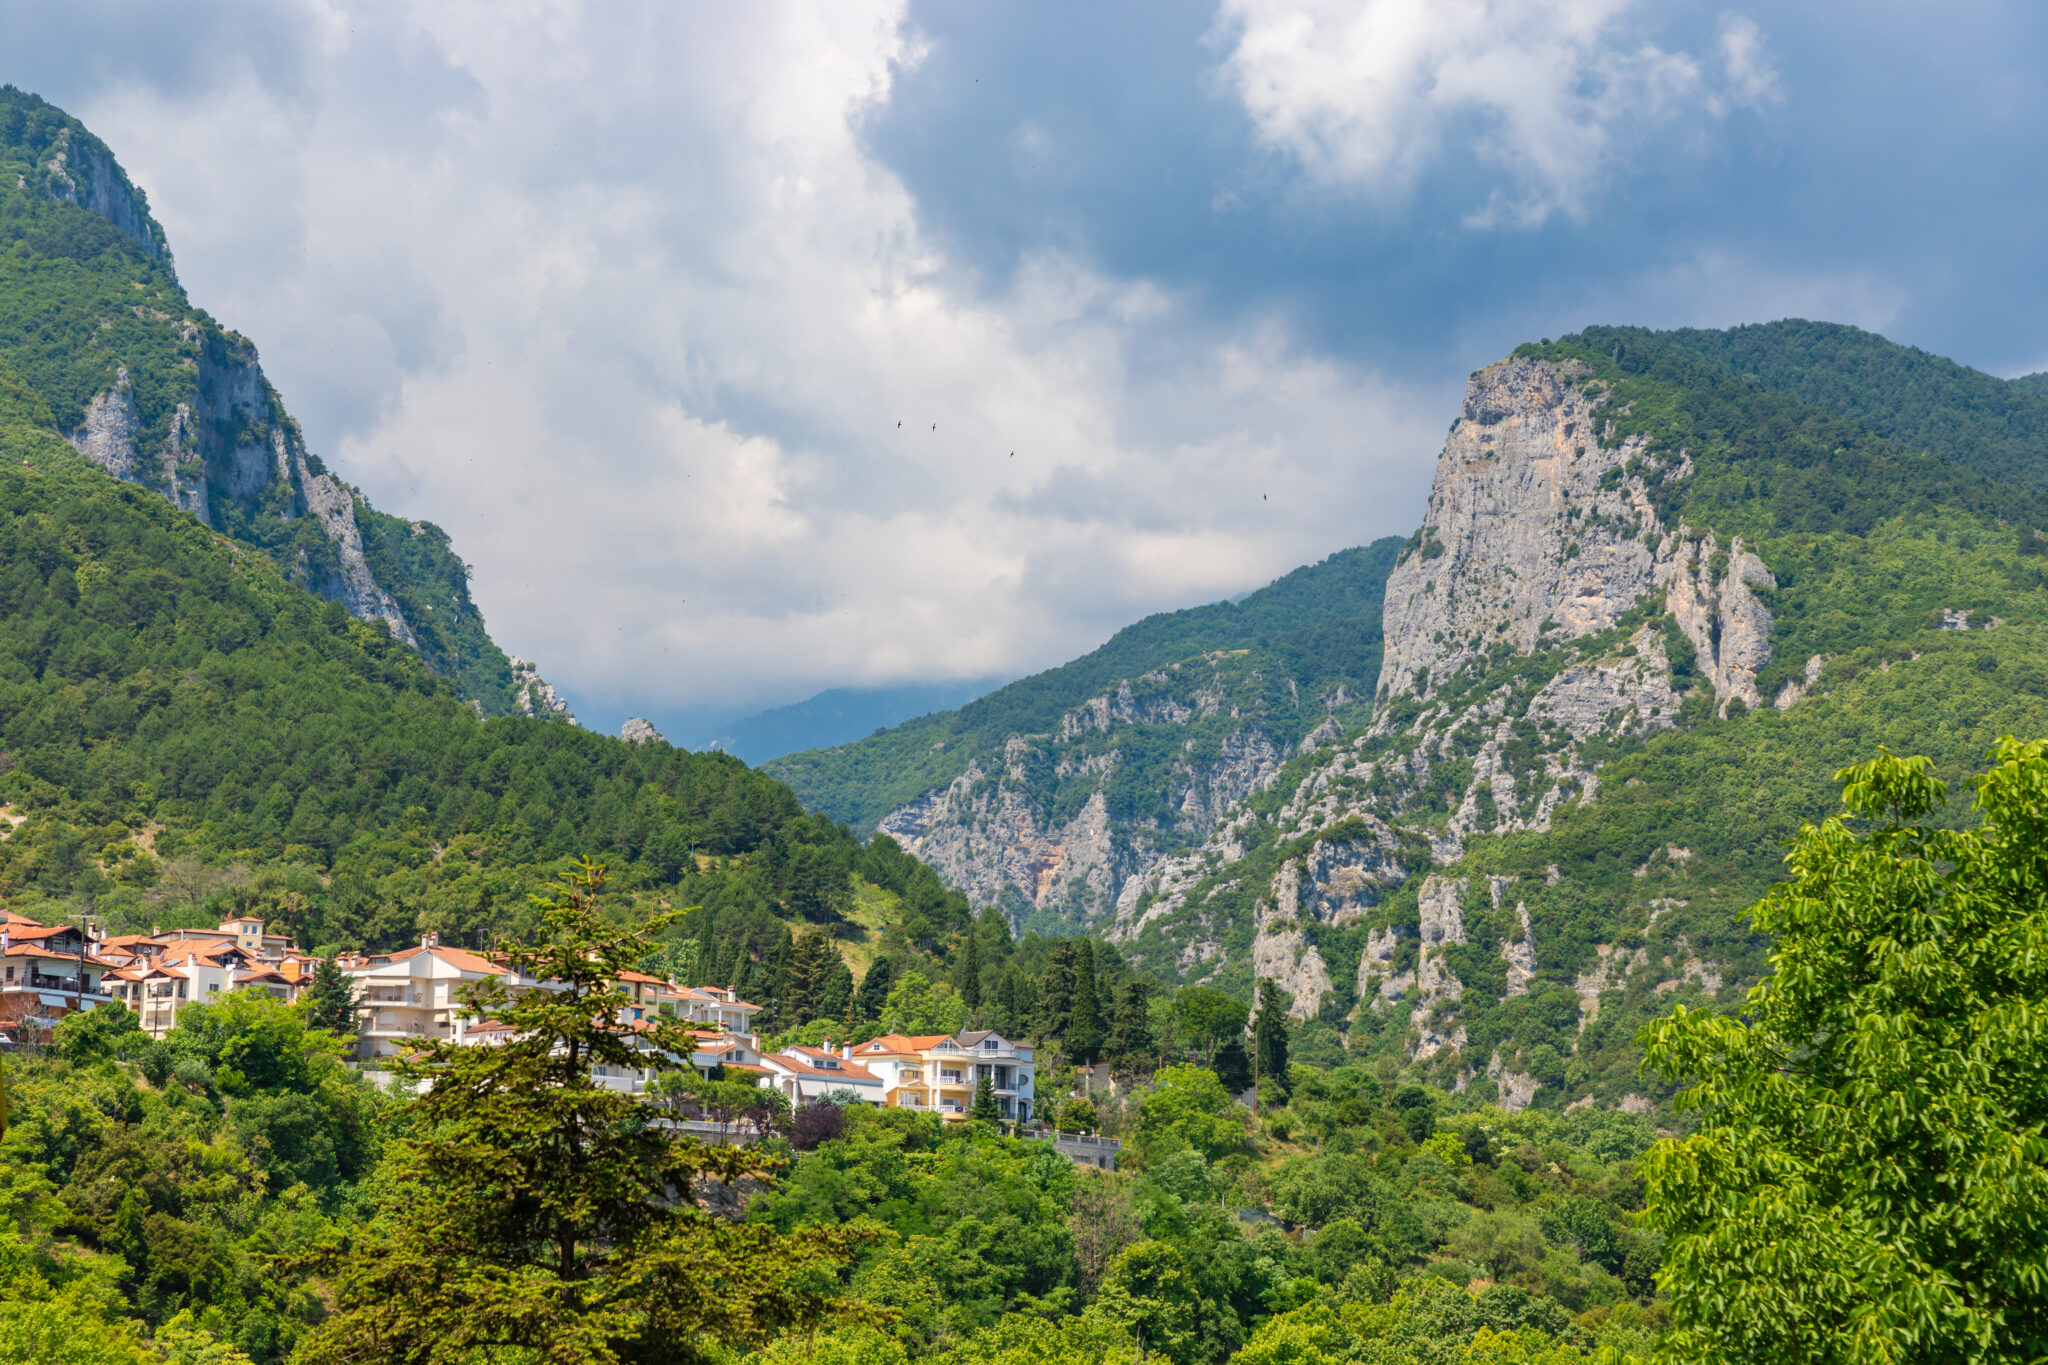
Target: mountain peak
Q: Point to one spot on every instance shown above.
(57, 159)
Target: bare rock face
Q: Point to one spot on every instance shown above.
(640, 730)
(1525, 534)
(1729, 628)
(1021, 834)
(537, 696)
(1336, 882)
(79, 169)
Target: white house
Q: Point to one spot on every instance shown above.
(804, 1074)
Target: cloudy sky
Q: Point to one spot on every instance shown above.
(752, 349)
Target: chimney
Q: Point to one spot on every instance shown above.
(430, 940)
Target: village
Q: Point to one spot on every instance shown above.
(414, 994)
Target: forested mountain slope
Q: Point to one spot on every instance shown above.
(1656, 604)
(1047, 795)
(160, 395)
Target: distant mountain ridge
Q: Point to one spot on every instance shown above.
(838, 715)
(157, 393)
(1047, 794)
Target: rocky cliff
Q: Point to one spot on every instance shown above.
(159, 395)
(1570, 785)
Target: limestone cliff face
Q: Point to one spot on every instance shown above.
(1033, 829)
(1534, 619)
(80, 169)
(231, 443)
(538, 698)
(1527, 532)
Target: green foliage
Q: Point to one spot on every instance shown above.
(536, 1209)
(1188, 1110)
(1868, 1175)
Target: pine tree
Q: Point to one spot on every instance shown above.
(970, 974)
(807, 978)
(874, 989)
(1269, 1035)
(1130, 1034)
(1083, 1038)
(534, 1211)
(332, 998)
(985, 1107)
(835, 1001)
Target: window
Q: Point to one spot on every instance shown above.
(990, 1045)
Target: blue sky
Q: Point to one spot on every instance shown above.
(1168, 298)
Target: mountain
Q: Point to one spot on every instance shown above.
(158, 394)
(1667, 585)
(835, 716)
(1046, 796)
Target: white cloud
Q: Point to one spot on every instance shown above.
(1370, 94)
(614, 294)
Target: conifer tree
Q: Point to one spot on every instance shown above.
(835, 1001)
(1269, 1035)
(332, 999)
(1130, 1034)
(1056, 992)
(874, 989)
(537, 1215)
(970, 974)
(1083, 1039)
(985, 1107)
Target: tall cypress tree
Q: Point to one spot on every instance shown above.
(1269, 1035)
(1084, 1025)
(970, 975)
(1130, 1033)
(1056, 992)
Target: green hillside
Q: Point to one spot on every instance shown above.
(1317, 627)
(1922, 401)
(90, 305)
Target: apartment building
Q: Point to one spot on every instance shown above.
(416, 993)
(46, 972)
(940, 1072)
(200, 970)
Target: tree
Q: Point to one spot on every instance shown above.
(1083, 1040)
(1269, 1036)
(874, 989)
(985, 1107)
(915, 1006)
(1188, 1109)
(1233, 1066)
(1209, 1018)
(970, 973)
(1056, 991)
(95, 1034)
(537, 1214)
(1130, 1034)
(331, 999)
(1868, 1178)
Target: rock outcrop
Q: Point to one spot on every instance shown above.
(537, 696)
(640, 730)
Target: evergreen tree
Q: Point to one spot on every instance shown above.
(835, 1002)
(1130, 1034)
(1056, 992)
(985, 1107)
(1269, 1035)
(970, 974)
(534, 1213)
(808, 977)
(332, 999)
(1233, 1066)
(874, 989)
(1009, 1016)
(1083, 1040)
(709, 963)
